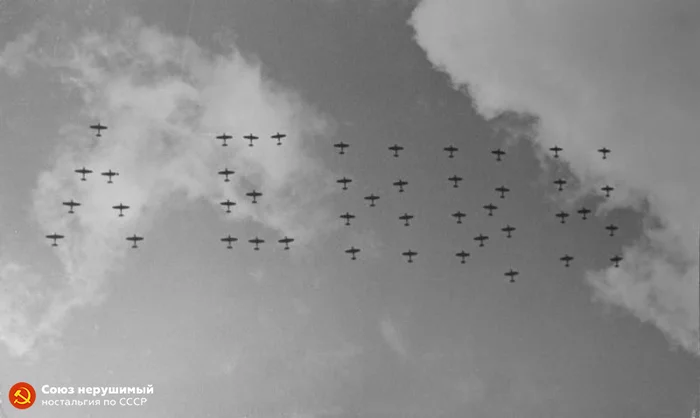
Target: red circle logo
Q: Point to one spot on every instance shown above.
(22, 395)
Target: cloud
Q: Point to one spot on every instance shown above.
(622, 74)
(393, 337)
(163, 99)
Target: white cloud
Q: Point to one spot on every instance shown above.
(162, 108)
(393, 337)
(620, 73)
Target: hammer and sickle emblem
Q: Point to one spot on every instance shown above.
(25, 399)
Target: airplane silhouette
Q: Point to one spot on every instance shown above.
(508, 229)
(490, 207)
(410, 254)
(110, 174)
(278, 136)
(556, 151)
(498, 153)
(72, 204)
(54, 237)
(511, 273)
(604, 151)
(347, 216)
(229, 239)
(98, 128)
(396, 148)
(83, 171)
(459, 215)
(342, 145)
(455, 179)
(134, 239)
(566, 259)
(226, 172)
(251, 138)
(502, 190)
(120, 207)
(481, 238)
(344, 181)
(257, 241)
(583, 212)
(451, 149)
(616, 260)
(562, 215)
(406, 217)
(371, 198)
(228, 205)
(463, 255)
(612, 228)
(224, 137)
(560, 183)
(254, 194)
(353, 251)
(286, 242)
(607, 189)
(400, 183)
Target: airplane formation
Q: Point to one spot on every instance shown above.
(372, 199)
(502, 190)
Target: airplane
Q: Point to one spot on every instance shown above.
(342, 145)
(400, 183)
(566, 259)
(456, 179)
(120, 208)
(344, 182)
(511, 273)
(134, 239)
(98, 128)
(616, 260)
(257, 241)
(396, 148)
(250, 138)
(371, 198)
(556, 149)
(481, 238)
(612, 228)
(583, 212)
(353, 251)
(490, 207)
(347, 216)
(560, 183)
(110, 174)
(254, 194)
(406, 217)
(604, 151)
(562, 215)
(463, 255)
(459, 215)
(224, 137)
(278, 136)
(72, 204)
(451, 149)
(410, 254)
(228, 205)
(286, 242)
(226, 172)
(54, 237)
(83, 171)
(508, 229)
(502, 190)
(229, 239)
(498, 153)
(607, 189)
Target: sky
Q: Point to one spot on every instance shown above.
(310, 333)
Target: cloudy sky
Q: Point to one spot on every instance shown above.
(309, 332)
